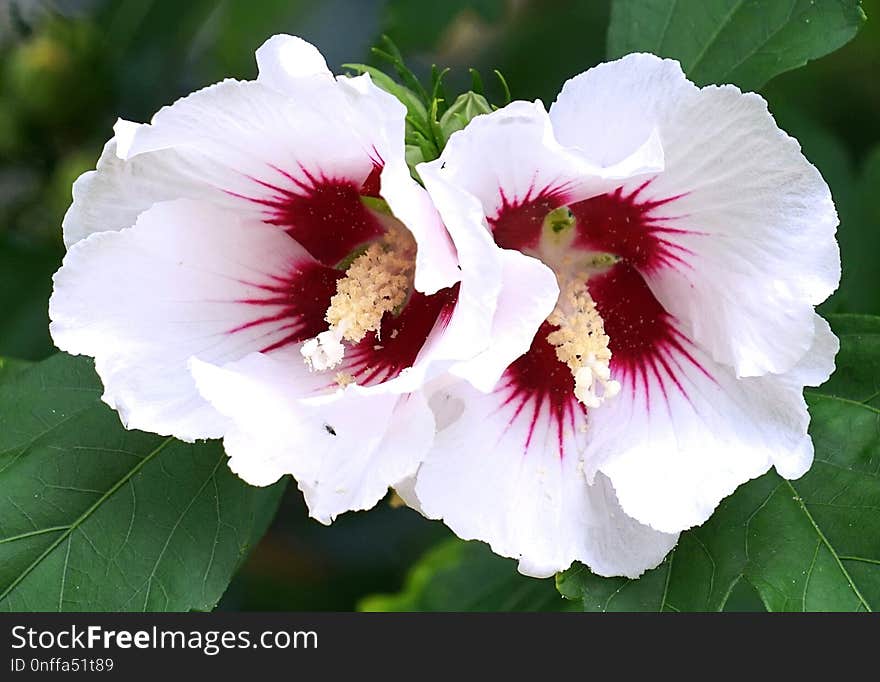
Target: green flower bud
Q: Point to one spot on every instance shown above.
(466, 107)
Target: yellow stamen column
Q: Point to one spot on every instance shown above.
(582, 344)
(377, 282)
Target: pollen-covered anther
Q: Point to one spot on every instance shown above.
(377, 282)
(343, 379)
(582, 344)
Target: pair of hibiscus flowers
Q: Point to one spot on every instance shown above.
(571, 339)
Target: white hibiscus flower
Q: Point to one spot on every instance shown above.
(257, 263)
(691, 241)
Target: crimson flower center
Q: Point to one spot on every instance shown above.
(609, 333)
(351, 308)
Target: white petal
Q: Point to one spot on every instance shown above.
(284, 59)
(295, 67)
(187, 279)
(469, 331)
(375, 115)
(345, 449)
(256, 146)
(247, 145)
(406, 491)
(512, 154)
(503, 297)
(817, 365)
(675, 447)
(527, 502)
(436, 259)
(753, 223)
(238, 134)
(112, 196)
(609, 110)
(528, 295)
(812, 370)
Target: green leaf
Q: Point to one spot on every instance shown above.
(97, 518)
(467, 576)
(807, 545)
(857, 376)
(389, 52)
(10, 368)
(859, 236)
(25, 285)
(733, 41)
(854, 323)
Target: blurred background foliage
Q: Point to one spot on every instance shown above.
(68, 68)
